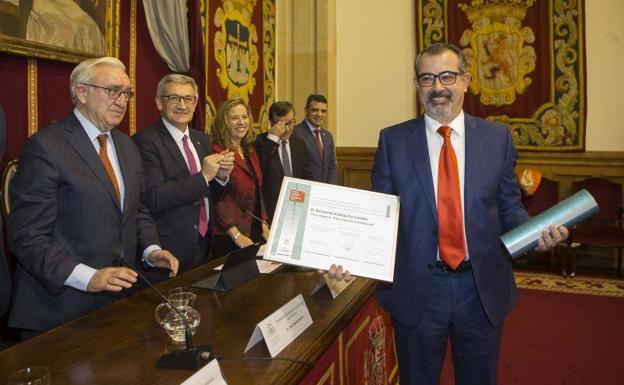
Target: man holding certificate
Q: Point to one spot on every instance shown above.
(454, 174)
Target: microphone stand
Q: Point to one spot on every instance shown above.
(190, 358)
(258, 219)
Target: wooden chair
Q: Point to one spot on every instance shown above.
(546, 196)
(7, 176)
(604, 229)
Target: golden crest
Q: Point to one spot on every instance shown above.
(498, 58)
(235, 48)
(374, 366)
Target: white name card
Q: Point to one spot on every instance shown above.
(210, 374)
(282, 327)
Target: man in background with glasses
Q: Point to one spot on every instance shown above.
(280, 154)
(454, 174)
(182, 174)
(75, 198)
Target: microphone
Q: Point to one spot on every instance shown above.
(258, 219)
(190, 358)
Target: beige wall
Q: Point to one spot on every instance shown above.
(374, 50)
(605, 75)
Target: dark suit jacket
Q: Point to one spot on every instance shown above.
(64, 212)
(492, 206)
(172, 194)
(325, 170)
(273, 171)
(5, 278)
(240, 196)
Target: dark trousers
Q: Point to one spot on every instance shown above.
(454, 310)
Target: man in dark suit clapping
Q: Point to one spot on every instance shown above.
(182, 175)
(280, 154)
(75, 197)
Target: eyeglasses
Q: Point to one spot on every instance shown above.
(446, 78)
(114, 92)
(175, 99)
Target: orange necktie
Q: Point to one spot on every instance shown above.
(450, 222)
(103, 140)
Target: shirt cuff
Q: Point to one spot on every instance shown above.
(147, 252)
(223, 182)
(274, 138)
(80, 277)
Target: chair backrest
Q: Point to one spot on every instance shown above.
(7, 176)
(607, 194)
(546, 196)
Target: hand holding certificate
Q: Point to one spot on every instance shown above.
(317, 225)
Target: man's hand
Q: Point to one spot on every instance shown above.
(226, 165)
(265, 231)
(552, 237)
(337, 273)
(111, 279)
(165, 260)
(278, 129)
(210, 166)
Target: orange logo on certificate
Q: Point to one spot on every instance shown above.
(296, 196)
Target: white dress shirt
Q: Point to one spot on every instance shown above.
(82, 274)
(281, 142)
(434, 145)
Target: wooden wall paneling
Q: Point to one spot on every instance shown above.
(355, 164)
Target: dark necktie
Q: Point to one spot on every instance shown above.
(286, 159)
(450, 222)
(103, 140)
(319, 144)
(203, 218)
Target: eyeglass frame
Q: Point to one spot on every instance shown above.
(180, 98)
(437, 76)
(129, 94)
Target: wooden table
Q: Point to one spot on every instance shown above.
(120, 343)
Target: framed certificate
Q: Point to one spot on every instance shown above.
(317, 225)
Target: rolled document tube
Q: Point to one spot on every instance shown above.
(568, 212)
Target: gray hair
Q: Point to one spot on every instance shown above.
(83, 72)
(175, 78)
(439, 48)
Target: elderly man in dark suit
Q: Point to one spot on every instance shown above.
(318, 141)
(182, 174)
(76, 197)
(455, 176)
(280, 154)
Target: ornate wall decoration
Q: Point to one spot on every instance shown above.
(527, 62)
(240, 55)
(235, 48)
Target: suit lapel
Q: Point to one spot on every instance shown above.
(472, 163)
(171, 146)
(422, 164)
(124, 163)
(79, 140)
(201, 150)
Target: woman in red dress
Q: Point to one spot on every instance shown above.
(236, 227)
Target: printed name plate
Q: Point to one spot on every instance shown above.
(210, 374)
(282, 327)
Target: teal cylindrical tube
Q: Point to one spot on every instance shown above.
(568, 212)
